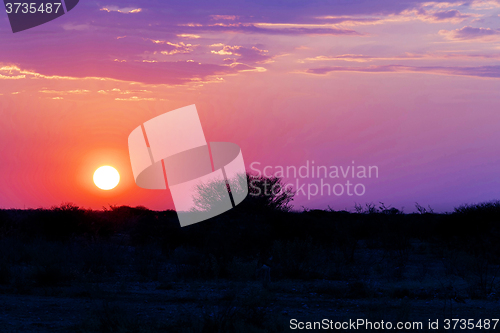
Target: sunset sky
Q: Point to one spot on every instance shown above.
(409, 86)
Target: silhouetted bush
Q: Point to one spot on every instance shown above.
(267, 193)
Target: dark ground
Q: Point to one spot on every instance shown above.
(134, 270)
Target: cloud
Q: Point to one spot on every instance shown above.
(479, 71)
(126, 10)
(474, 4)
(224, 17)
(471, 33)
(350, 20)
(170, 73)
(485, 4)
(136, 99)
(12, 77)
(345, 57)
(75, 91)
(173, 48)
(189, 36)
(144, 46)
(270, 29)
(406, 56)
(246, 68)
(431, 15)
(449, 15)
(139, 58)
(77, 27)
(272, 11)
(243, 54)
(177, 51)
(415, 14)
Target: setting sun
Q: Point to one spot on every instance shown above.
(106, 177)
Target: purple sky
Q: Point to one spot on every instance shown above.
(408, 86)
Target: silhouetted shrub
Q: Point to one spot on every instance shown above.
(267, 193)
(57, 224)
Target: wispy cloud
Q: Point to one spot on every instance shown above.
(271, 29)
(414, 14)
(243, 54)
(479, 71)
(224, 17)
(57, 92)
(174, 48)
(451, 15)
(125, 10)
(406, 56)
(77, 27)
(11, 77)
(471, 33)
(475, 4)
(485, 4)
(189, 36)
(135, 99)
(363, 58)
(169, 73)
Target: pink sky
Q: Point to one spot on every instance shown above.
(411, 87)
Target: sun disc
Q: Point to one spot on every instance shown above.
(106, 177)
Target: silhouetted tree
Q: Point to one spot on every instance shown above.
(264, 193)
(268, 193)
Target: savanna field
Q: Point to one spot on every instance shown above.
(253, 269)
(249, 166)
